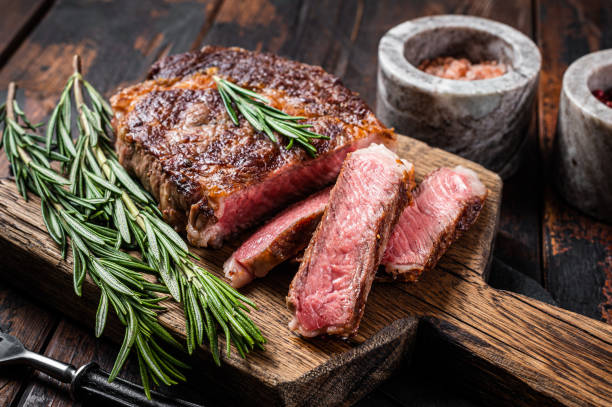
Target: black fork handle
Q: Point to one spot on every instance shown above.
(91, 386)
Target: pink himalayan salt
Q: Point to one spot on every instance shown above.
(462, 69)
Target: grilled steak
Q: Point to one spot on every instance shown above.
(213, 177)
(417, 242)
(445, 205)
(283, 237)
(328, 293)
(278, 240)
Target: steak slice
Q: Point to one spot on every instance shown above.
(278, 240)
(445, 205)
(459, 204)
(214, 178)
(282, 238)
(329, 291)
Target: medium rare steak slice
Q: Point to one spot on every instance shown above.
(328, 293)
(458, 200)
(214, 178)
(278, 240)
(445, 205)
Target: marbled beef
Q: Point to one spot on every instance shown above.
(329, 291)
(278, 240)
(214, 178)
(446, 204)
(423, 233)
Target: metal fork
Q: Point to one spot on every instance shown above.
(88, 383)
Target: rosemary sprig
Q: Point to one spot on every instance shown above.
(93, 201)
(207, 300)
(264, 118)
(94, 250)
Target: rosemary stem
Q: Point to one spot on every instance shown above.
(78, 93)
(10, 114)
(10, 98)
(99, 154)
(129, 203)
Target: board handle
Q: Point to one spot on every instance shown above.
(519, 351)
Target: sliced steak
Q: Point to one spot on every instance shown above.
(282, 238)
(214, 178)
(329, 292)
(445, 205)
(278, 240)
(458, 200)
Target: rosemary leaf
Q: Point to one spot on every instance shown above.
(101, 314)
(103, 183)
(121, 221)
(77, 270)
(51, 128)
(144, 376)
(130, 336)
(127, 181)
(264, 118)
(100, 208)
(109, 278)
(149, 360)
(79, 228)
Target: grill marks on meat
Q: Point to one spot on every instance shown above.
(445, 205)
(214, 178)
(278, 240)
(328, 294)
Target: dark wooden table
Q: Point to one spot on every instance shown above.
(544, 248)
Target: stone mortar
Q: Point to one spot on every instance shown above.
(485, 120)
(583, 150)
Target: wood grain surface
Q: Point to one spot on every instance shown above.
(577, 248)
(19, 18)
(285, 368)
(554, 355)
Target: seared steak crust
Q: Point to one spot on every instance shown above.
(216, 178)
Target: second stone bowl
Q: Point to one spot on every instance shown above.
(483, 120)
(583, 148)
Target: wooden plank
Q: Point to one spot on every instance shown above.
(32, 324)
(17, 20)
(308, 31)
(290, 367)
(115, 50)
(514, 342)
(18, 315)
(577, 249)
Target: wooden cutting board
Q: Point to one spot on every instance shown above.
(521, 350)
